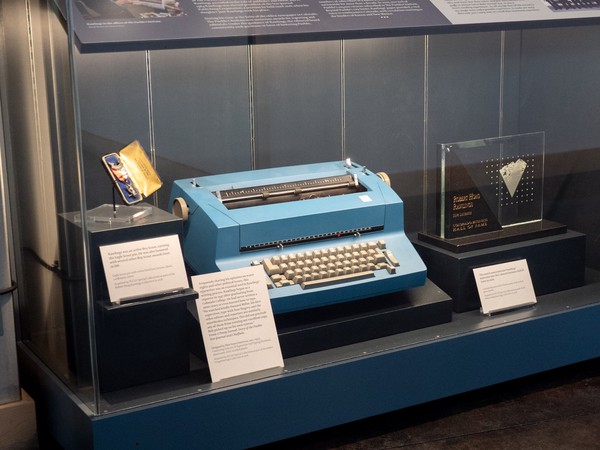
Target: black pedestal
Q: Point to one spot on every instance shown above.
(137, 346)
(313, 330)
(555, 263)
(137, 342)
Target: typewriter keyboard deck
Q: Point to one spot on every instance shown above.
(332, 265)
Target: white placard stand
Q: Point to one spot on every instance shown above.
(237, 323)
(504, 286)
(147, 267)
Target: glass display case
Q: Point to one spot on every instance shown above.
(232, 103)
(9, 382)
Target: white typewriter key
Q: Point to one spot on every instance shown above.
(379, 257)
(277, 278)
(269, 267)
(392, 258)
(390, 269)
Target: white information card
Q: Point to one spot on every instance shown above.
(504, 286)
(237, 323)
(142, 268)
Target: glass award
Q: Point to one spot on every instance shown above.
(490, 191)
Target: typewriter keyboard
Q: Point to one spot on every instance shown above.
(333, 265)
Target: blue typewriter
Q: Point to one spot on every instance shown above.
(324, 233)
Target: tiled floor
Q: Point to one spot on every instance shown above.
(554, 410)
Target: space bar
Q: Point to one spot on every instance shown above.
(339, 279)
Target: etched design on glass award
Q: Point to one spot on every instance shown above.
(512, 174)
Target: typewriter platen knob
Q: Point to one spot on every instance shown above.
(181, 209)
(385, 178)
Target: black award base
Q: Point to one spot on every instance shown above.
(508, 235)
(555, 262)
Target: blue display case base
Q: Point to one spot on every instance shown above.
(336, 386)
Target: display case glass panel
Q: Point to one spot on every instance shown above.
(240, 106)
